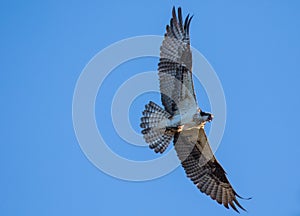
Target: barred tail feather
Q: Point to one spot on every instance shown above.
(154, 132)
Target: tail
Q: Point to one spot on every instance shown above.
(155, 132)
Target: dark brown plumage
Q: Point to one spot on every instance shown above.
(202, 167)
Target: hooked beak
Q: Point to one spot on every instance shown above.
(210, 117)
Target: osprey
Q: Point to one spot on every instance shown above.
(182, 120)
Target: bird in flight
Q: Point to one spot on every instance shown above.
(182, 120)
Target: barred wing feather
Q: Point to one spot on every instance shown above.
(202, 167)
(175, 66)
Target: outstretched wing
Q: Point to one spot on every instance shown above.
(175, 65)
(203, 169)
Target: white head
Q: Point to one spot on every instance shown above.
(201, 117)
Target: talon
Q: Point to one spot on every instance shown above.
(180, 128)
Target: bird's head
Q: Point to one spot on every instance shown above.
(201, 117)
(205, 116)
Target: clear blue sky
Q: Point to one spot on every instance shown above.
(255, 50)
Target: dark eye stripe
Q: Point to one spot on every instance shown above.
(204, 113)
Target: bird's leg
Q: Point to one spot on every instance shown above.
(178, 129)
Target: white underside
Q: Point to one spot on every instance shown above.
(186, 119)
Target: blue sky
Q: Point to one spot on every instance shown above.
(252, 45)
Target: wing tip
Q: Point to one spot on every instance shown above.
(233, 207)
(240, 197)
(177, 26)
(243, 198)
(239, 205)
